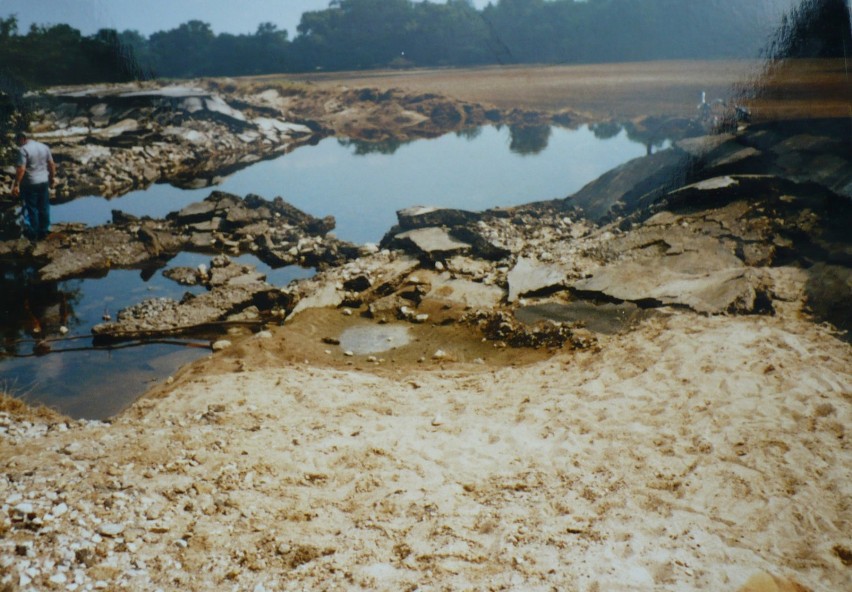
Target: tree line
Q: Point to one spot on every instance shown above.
(363, 34)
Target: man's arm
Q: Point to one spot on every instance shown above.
(19, 176)
(51, 171)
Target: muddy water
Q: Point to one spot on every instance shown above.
(361, 185)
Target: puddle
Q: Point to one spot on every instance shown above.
(373, 339)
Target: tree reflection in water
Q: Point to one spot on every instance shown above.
(470, 133)
(650, 132)
(529, 139)
(524, 140)
(365, 147)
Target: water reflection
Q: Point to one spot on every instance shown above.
(523, 140)
(64, 370)
(474, 169)
(363, 148)
(652, 132)
(33, 310)
(529, 139)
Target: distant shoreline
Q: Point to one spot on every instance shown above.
(788, 90)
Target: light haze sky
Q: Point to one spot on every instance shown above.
(150, 16)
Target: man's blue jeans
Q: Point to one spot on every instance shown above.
(36, 206)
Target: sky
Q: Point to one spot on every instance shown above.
(150, 16)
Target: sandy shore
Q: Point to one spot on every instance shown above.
(690, 454)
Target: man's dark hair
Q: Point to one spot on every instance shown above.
(20, 136)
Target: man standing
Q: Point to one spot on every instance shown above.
(35, 175)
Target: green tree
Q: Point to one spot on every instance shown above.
(183, 52)
(8, 27)
(270, 47)
(110, 58)
(14, 116)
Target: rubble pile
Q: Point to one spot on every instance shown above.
(715, 224)
(111, 140)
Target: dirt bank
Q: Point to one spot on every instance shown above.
(794, 89)
(690, 454)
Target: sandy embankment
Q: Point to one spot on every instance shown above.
(689, 454)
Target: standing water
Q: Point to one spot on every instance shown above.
(361, 185)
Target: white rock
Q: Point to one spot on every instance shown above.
(72, 448)
(439, 355)
(221, 344)
(437, 420)
(24, 508)
(110, 529)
